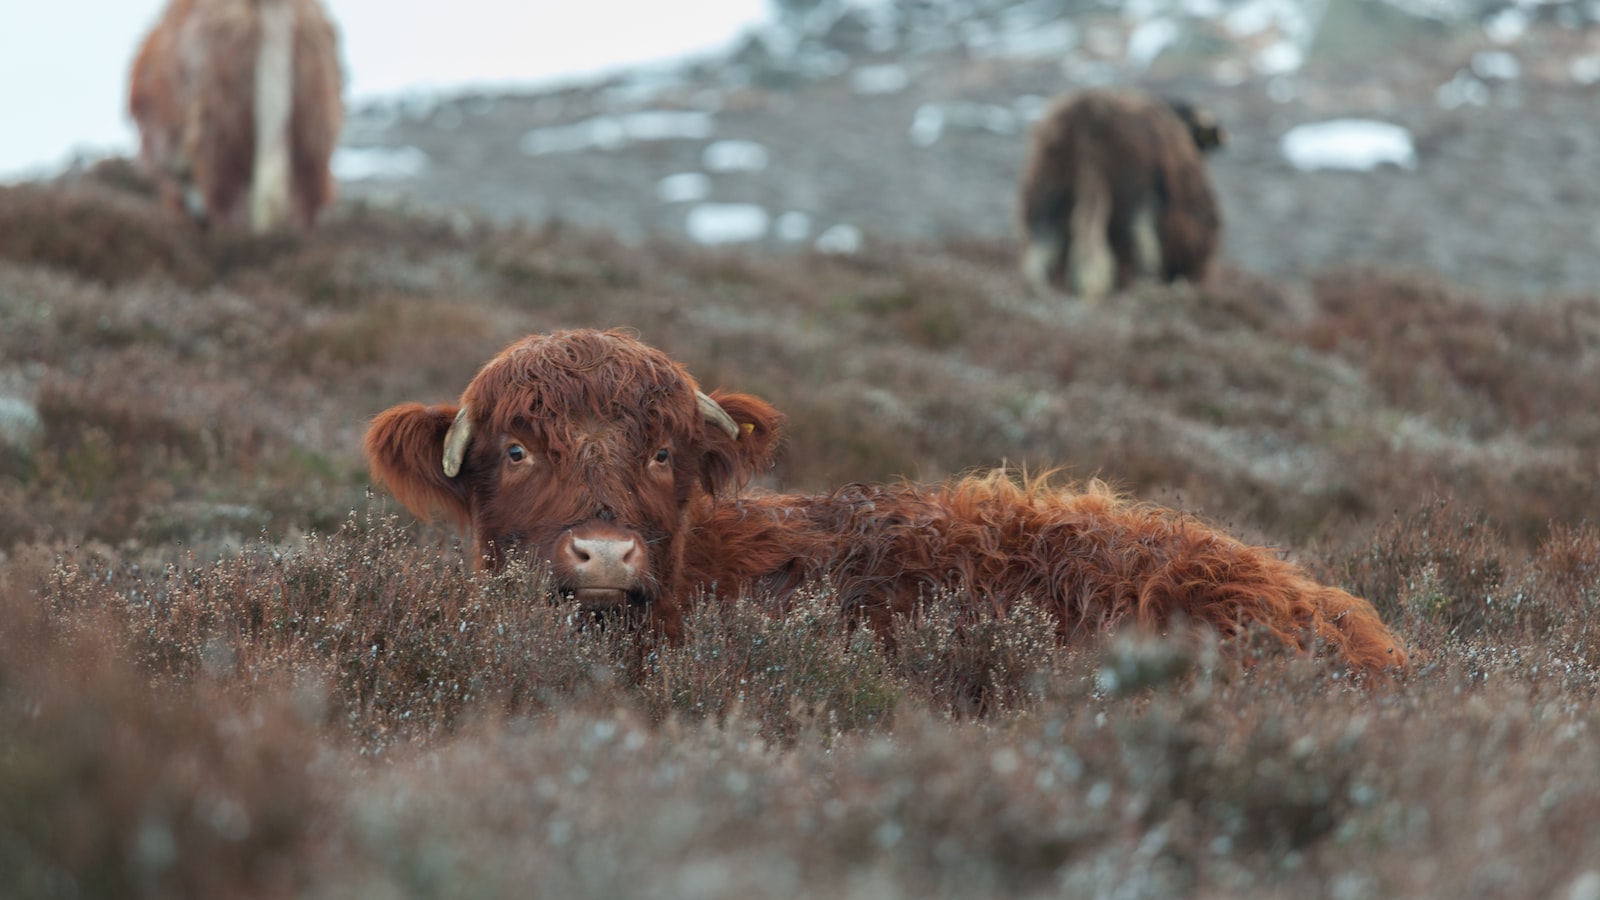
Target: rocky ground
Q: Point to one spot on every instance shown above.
(926, 146)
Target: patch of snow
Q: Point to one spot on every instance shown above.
(611, 132)
(684, 187)
(1348, 144)
(662, 125)
(603, 132)
(734, 156)
(1507, 25)
(1149, 41)
(840, 240)
(726, 223)
(1462, 90)
(1496, 65)
(793, 226)
(1279, 58)
(378, 163)
(889, 78)
(1294, 19)
(19, 422)
(1585, 69)
(1250, 18)
(927, 126)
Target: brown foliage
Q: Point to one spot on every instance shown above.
(115, 783)
(94, 232)
(495, 741)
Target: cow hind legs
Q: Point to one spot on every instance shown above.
(1147, 255)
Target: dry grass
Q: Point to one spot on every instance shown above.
(226, 671)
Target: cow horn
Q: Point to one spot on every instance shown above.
(717, 416)
(455, 443)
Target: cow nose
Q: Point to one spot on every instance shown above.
(602, 562)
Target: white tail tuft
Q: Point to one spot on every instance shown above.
(1147, 258)
(1091, 268)
(269, 184)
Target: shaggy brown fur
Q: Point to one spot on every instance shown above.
(1116, 189)
(193, 95)
(595, 434)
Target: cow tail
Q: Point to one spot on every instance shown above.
(1147, 253)
(1091, 268)
(274, 104)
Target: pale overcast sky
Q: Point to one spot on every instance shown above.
(64, 63)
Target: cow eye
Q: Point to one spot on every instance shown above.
(663, 455)
(516, 453)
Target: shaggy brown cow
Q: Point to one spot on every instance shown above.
(600, 454)
(1116, 189)
(240, 96)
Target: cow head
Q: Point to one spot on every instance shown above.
(588, 449)
(1207, 132)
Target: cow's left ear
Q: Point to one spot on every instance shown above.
(727, 460)
(405, 446)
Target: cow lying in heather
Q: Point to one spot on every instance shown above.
(236, 100)
(1116, 189)
(600, 454)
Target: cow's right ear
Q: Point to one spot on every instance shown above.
(730, 460)
(405, 447)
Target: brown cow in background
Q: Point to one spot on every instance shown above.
(240, 97)
(600, 454)
(1116, 189)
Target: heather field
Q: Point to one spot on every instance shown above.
(229, 668)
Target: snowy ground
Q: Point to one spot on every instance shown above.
(1471, 159)
(1404, 134)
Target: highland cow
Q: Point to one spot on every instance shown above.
(1115, 190)
(236, 100)
(602, 456)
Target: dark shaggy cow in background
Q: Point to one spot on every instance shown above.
(237, 99)
(1116, 189)
(599, 454)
